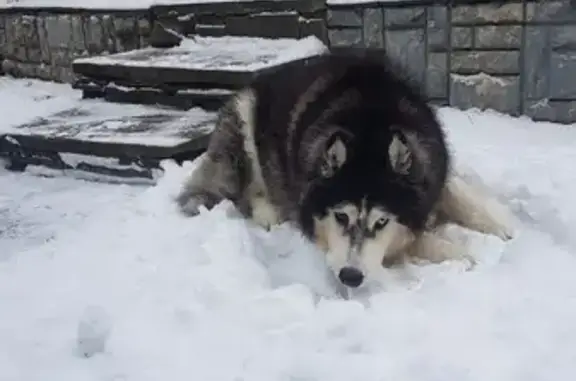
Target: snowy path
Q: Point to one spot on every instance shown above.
(211, 299)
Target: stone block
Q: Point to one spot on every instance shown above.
(563, 37)
(409, 48)
(437, 17)
(43, 40)
(498, 37)
(438, 31)
(487, 13)
(61, 57)
(20, 52)
(26, 69)
(490, 62)
(551, 11)
(556, 111)
(212, 30)
(94, 35)
(59, 31)
(27, 34)
(344, 18)
(143, 31)
(34, 54)
(78, 41)
(373, 28)
(314, 27)
(108, 35)
(462, 38)
(126, 33)
(208, 19)
(485, 92)
(281, 25)
(345, 37)
(412, 17)
(437, 75)
(536, 57)
(44, 72)
(161, 36)
(562, 78)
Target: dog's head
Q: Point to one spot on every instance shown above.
(365, 209)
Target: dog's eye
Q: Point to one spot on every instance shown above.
(381, 223)
(341, 218)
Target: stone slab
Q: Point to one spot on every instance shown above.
(94, 127)
(239, 7)
(227, 62)
(181, 99)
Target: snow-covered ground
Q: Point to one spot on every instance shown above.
(115, 271)
(100, 4)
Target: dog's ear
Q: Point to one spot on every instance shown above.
(334, 157)
(399, 154)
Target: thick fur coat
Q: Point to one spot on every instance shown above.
(346, 149)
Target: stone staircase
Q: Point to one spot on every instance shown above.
(146, 105)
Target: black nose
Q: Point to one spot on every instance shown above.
(351, 277)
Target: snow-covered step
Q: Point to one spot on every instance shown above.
(227, 62)
(132, 138)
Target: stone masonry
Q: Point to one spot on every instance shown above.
(36, 43)
(43, 45)
(517, 57)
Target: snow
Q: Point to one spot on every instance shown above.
(108, 282)
(63, 113)
(229, 53)
(142, 4)
(375, 2)
(102, 4)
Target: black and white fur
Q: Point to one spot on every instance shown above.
(345, 149)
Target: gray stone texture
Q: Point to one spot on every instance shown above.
(344, 18)
(373, 27)
(487, 13)
(512, 56)
(490, 62)
(551, 11)
(498, 37)
(485, 92)
(44, 45)
(438, 30)
(558, 111)
(345, 37)
(405, 17)
(437, 75)
(284, 25)
(462, 38)
(536, 58)
(409, 48)
(472, 55)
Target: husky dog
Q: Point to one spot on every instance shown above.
(348, 151)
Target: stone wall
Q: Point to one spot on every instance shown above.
(517, 57)
(43, 44)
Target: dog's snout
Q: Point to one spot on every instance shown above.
(351, 277)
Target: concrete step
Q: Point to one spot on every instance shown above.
(202, 71)
(181, 99)
(109, 139)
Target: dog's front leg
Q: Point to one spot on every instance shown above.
(465, 205)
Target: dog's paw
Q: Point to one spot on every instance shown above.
(505, 232)
(191, 205)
